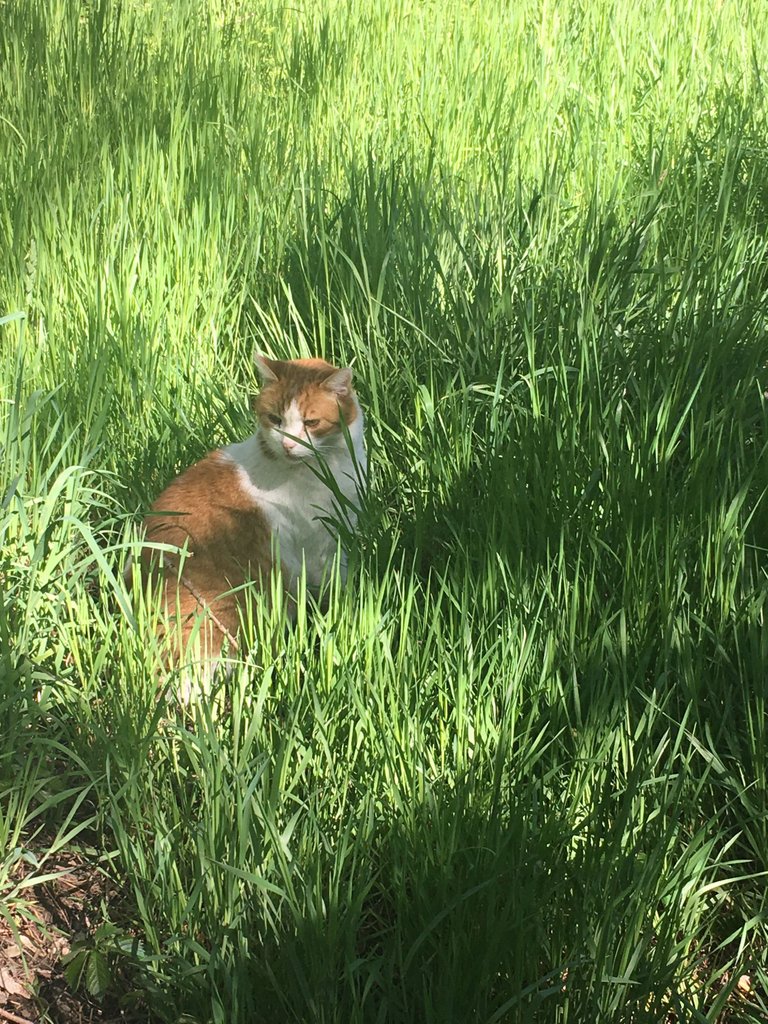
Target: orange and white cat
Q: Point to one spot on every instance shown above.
(235, 512)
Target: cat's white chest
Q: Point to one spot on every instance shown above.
(299, 507)
(296, 512)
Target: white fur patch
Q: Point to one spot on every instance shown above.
(291, 490)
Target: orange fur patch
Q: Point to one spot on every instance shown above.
(228, 540)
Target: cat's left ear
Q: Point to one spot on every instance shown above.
(265, 368)
(339, 382)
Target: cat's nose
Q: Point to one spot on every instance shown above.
(289, 444)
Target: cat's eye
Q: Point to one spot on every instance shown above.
(311, 424)
(274, 418)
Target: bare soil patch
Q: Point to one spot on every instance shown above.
(54, 917)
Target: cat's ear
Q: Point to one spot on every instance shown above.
(266, 367)
(339, 382)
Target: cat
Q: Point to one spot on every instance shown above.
(230, 516)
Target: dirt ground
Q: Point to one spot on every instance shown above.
(36, 935)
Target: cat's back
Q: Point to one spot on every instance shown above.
(208, 514)
(207, 507)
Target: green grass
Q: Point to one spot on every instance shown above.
(517, 770)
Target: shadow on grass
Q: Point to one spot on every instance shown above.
(454, 911)
(445, 918)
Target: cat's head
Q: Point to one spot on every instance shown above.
(304, 406)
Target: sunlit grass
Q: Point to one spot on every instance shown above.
(517, 769)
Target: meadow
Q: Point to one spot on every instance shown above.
(517, 770)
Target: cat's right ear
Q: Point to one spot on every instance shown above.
(266, 368)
